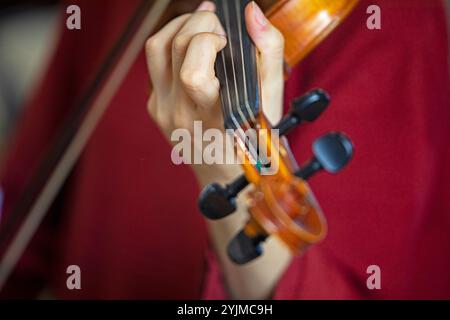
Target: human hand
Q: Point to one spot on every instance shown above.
(181, 59)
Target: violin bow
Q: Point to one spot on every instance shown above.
(40, 193)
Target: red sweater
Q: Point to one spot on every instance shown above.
(128, 216)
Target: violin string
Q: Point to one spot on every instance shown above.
(233, 65)
(63, 168)
(253, 151)
(228, 94)
(226, 107)
(239, 18)
(230, 112)
(246, 143)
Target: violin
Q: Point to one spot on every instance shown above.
(280, 203)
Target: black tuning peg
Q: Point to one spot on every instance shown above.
(332, 153)
(243, 249)
(307, 108)
(217, 202)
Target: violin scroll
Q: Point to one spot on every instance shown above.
(294, 219)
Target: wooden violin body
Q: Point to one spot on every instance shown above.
(306, 23)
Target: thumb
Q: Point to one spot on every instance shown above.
(270, 43)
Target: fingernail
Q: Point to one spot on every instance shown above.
(259, 15)
(206, 6)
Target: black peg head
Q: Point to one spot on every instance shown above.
(304, 109)
(333, 151)
(243, 249)
(310, 106)
(215, 203)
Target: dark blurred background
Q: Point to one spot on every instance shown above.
(28, 34)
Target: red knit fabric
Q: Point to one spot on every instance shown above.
(128, 216)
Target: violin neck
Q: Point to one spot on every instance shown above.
(236, 68)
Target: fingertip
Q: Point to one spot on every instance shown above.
(255, 17)
(265, 36)
(207, 6)
(258, 25)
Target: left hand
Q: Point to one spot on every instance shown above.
(181, 59)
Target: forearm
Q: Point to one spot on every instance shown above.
(257, 279)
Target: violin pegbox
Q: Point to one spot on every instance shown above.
(216, 201)
(332, 153)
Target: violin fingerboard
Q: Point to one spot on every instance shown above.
(236, 68)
